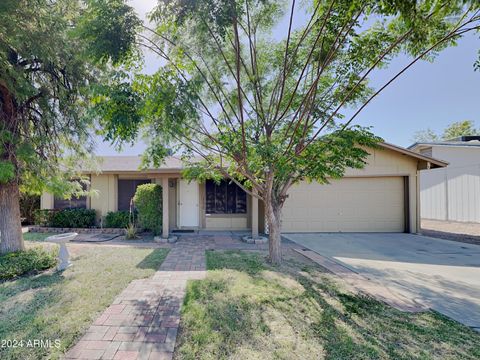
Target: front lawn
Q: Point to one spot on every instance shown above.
(32, 236)
(61, 306)
(246, 309)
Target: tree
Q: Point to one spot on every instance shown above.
(427, 135)
(452, 131)
(51, 54)
(459, 128)
(268, 113)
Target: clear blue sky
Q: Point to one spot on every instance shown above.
(428, 95)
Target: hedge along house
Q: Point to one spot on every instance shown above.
(382, 197)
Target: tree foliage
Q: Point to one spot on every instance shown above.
(51, 54)
(267, 112)
(452, 131)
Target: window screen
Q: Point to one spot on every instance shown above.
(225, 198)
(73, 203)
(126, 191)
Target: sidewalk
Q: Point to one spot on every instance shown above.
(142, 322)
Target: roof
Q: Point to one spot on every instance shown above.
(134, 163)
(428, 159)
(113, 164)
(473, 143)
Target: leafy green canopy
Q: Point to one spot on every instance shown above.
(265, 112)
(454, 130)
(51, 55)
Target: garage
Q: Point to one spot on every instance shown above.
(350, 204)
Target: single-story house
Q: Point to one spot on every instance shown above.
(453, 193)
(382, 197)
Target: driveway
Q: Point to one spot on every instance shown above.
(443, 275)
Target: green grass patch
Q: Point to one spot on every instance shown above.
(247, 309)
(30, 261)
(31, 236)
(62, 305)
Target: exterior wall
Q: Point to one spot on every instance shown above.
(105, 190)
(224, 221)
(172, 203)
(46, 201)
(456, 155)
(452, 193)
(382, 163)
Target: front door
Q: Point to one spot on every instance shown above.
(188, 204)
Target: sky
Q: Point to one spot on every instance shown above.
(428, 95)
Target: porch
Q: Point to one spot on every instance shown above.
(208, 208)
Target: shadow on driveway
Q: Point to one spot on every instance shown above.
(440, 274)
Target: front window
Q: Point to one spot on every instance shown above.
(225, 198)
(126, 191)
(79, 202)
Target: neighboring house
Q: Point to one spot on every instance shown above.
(382, 197)
(453, 193)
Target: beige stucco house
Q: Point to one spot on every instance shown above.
(382, 197)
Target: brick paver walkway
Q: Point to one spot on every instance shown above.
(142, 322)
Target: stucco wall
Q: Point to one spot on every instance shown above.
(380, 162)
(385, 162)
(105, 197)
(46, 201)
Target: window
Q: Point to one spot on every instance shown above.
(126, 191)
(73, 203)
(225, 198)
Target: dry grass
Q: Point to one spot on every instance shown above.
(61, 306)
(246, 309)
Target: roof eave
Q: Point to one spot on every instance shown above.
(434, 163)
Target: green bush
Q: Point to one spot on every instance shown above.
(68, 218)
(74, 218)
(148, 201)
(43, 217)
(117, 219)
(26, 262)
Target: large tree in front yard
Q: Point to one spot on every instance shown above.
(268, 112)
(51, 54)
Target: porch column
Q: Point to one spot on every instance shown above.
(254, 215)
(47, 201)
(165, 230)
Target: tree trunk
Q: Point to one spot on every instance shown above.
(11, 238)
(274, 220)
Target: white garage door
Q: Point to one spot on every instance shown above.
(350, 204)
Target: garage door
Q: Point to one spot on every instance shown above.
(373, 204)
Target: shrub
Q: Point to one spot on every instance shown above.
(117, 219)
(148, 201)
(26, 262)
(68, 218)
(131, 232)
(43, 217)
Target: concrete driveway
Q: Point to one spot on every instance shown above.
(443, 275)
